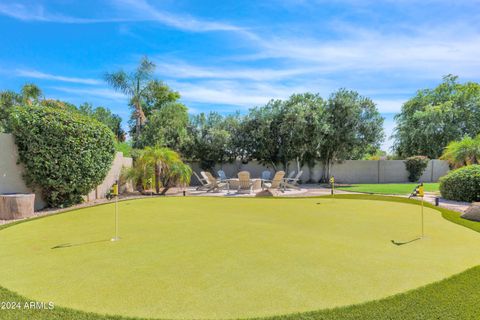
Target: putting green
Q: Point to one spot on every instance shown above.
(231, 258)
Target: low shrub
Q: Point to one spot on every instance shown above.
(462, 184)
(65, 154)
(415, 166)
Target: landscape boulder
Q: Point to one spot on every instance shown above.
(473, 212)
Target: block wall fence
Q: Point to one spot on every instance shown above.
(349, 171)
(11, 180)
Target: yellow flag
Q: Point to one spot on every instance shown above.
(115, 189)
(420, 192)
(332, 180)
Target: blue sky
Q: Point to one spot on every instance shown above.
(233, 55)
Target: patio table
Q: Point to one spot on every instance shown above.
(234, 183)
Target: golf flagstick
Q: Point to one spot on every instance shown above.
(417, 192)
(115, 194)
(421, 193)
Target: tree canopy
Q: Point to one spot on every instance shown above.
(166, 126)
(301, 130)
(31, 95)
(354, 128)
(105, 116)
(435, 117)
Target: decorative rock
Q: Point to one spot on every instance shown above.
(265, 193)
(16, 206)
(473, 212)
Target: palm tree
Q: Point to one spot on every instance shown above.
(160, 159)
(139, 174)
(463, 152)
(30, 93)
(178, 173)
(134, 85)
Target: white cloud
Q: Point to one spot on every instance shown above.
(183, 70)
(429, 56)
(40, 75)
(145, 11)
(104, 93)
(222, 94)
(38, 13)
(238, 93)
(133, 10)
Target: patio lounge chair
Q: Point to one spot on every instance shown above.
(277, 182)
(221, 175)
(266, 175)
(203, 182)
(290, 175)
(293, 182)
(244, 182)
(215, 185)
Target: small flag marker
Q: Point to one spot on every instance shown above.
(332, 184)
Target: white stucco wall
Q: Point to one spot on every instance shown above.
(11, 180)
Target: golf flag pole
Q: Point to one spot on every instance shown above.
(115, 194)
(421, 194)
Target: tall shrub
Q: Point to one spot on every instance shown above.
(65, 154)
(462, 184)
(415, 166)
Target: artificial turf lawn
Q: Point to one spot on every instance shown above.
(389, 188)
(202, 257)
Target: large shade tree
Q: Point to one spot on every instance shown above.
(158, 95)
(166, 127)
(355, 128)
(210, 139)
(435, 117)
(105, 116)
(284, 131)
(135, 85)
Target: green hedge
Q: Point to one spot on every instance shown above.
(462, 184)
(65, 154)
(415, 166)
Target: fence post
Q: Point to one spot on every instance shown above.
(431, 176)
(378, 171)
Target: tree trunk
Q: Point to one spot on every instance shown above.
(140, 118)
(157, 178)
(310, 172)
(326, 171)
(274, 166)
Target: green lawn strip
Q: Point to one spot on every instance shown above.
(453, 298)
(388, 188)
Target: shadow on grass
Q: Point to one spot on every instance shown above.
(68, 245)
(398, 243)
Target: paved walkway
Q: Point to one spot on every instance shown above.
(307, 190)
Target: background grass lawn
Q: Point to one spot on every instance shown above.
(219, 258)
(389, 188)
